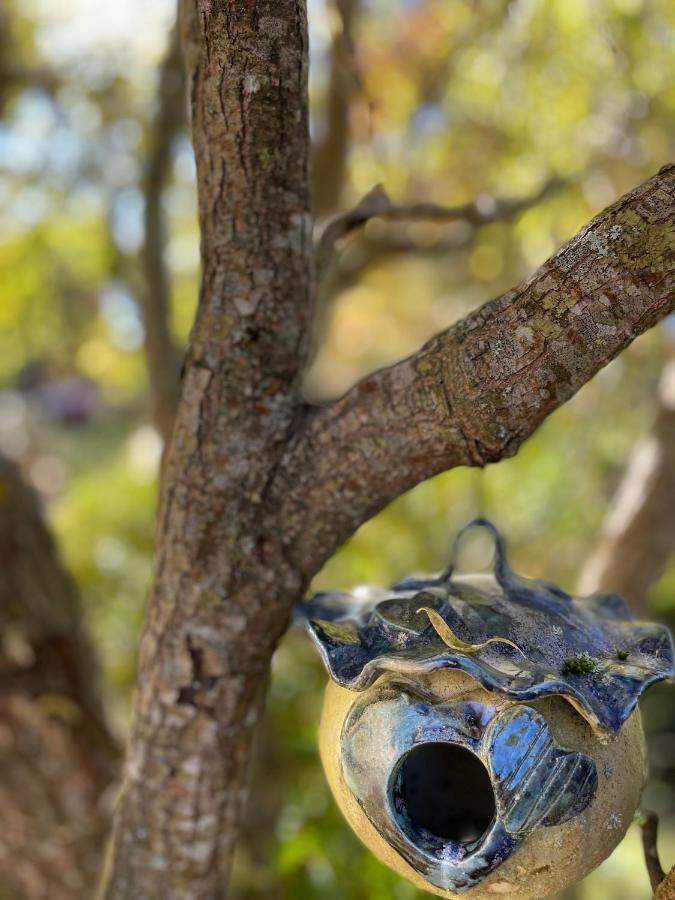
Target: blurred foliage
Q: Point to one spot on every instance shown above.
(457, 100)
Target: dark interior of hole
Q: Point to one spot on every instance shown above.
(445, 790)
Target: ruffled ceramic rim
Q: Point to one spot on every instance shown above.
(358, 642)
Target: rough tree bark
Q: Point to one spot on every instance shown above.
(639, 533)
(258, 488)
(57, 756)
(666, 890)
(222, 588)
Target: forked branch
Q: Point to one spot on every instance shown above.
(376, 204)
(475, 392)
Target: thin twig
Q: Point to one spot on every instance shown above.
(377, 204)
(650, 828)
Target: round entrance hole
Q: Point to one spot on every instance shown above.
(444, 791)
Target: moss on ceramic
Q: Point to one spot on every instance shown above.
(582, 664)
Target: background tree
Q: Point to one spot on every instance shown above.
(434, 81)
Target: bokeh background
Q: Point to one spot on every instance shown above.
(564, 104)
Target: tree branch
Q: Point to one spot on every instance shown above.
(662, 884)
(163, 359)
(377, 204)
(650, 827)
(338, 268)
(475, 392)
(330, 154)
(639, 532)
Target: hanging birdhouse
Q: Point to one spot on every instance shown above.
(481, 733)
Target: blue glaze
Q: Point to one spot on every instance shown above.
(535, 782)
(372, 631)
(375, 642)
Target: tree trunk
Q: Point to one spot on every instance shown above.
(58, 758)
(258, 488)
(222, 590)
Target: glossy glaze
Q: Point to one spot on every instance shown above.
(368, 632)
(379, 645)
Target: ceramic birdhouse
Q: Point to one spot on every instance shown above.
(481, 733)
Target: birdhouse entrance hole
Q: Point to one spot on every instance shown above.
(442, 791)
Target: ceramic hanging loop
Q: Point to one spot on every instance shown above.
(500, 566)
